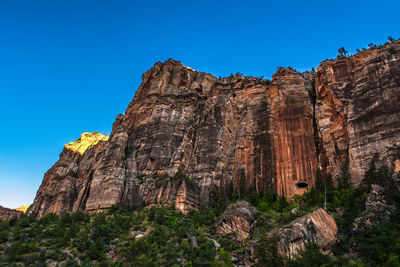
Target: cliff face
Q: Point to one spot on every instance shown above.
(358, 110)
(237, 132)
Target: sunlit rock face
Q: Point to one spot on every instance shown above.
(85, 141)
(358, 111)
(291, 126)
(237, 132)
(22, 209)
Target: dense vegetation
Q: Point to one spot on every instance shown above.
(162, 236)
(374, 245)
(156, 237)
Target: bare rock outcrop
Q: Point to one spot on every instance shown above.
(317, 227)
(238, 132)
(357, 110)
(223, 132)
(238, 221)
(7, 214)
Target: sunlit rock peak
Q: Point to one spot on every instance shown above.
(85, 141)
(189, 68)
(23, 208)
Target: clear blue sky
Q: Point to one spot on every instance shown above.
(67, 67)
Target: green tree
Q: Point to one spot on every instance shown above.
(267, 251)
(344, 179)
(311, 257)
(319, 183)
(342, 53)
(242, 183)
(230, 192)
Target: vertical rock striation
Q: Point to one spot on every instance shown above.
(357, 110)
(235, 133)
(240, 132)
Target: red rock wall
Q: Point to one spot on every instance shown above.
(358, 110)
(254, 134)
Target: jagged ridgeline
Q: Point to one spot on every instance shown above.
(188, 138)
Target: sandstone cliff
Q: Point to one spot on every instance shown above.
(358, 111)
(236, 132)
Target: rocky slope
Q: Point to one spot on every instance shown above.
(7, 214)
(233, 134)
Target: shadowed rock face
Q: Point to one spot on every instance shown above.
(240, 132)
(7, 214)
(358, 110)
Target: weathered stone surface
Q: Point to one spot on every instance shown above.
(357, 110)
(294, 150)
(218, 130)
(240, 132)
(317, 227)
(7, 214)
(237, 221)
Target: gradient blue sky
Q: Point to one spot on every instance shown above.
(67, 67)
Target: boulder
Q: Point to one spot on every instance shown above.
(237, 221)
(317, 227)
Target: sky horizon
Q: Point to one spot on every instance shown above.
(69, 67)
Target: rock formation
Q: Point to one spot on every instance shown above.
(237, 221)
(85, 141)
(23, 208)
(7, 214)
(236, 132)
(317, 227)
(357, 110)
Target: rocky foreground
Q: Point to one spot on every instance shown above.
(360, 227)
(234, 135)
